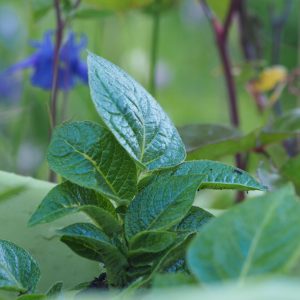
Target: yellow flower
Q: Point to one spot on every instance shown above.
(269, 78)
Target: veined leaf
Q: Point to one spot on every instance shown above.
(55, 290)
(162, 203)
(216, 175)
(87, 154)
(151, 242)
(193, 221)
(146, 212)
(241, 243)
(90, 242)
(18, 270)
(68, 198)
(221, 176)
(133, 116)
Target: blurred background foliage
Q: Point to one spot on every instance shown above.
(189, 76)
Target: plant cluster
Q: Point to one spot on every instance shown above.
(128, 175)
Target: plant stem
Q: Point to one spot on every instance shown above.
(154, 51)
(54, 89)
(221, 36)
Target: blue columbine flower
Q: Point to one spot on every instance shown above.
(71, 68)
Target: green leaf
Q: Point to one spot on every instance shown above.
(196, 136)
(18, 270)
(151, 242)
(204, 141)
(290, 170)
(174, 261)
(169, 195)
(289, 121)
(162, 203)
(42, 241)
(242, 242)
(221, 176)
(68, 198)
(10, 192)
(193, 221)
(133, 116)
(41, 8)
(216, 175)
(55, 290)
(87, 154)
(90, 242)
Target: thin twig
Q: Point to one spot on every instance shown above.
(221, 41)
(54, 90)
(58, 43)
(221, 37)
(233, 8)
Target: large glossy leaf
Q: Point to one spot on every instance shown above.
(87, 154)
(18, 270)
(162, 203)
(133, 116)
(205, 141)
(217, 175)
(258, 237)
(41, 241)
(68, 198)
(89, 241)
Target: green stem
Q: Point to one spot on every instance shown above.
(154, 51)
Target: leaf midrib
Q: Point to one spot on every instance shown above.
(142, 147)
(167, 207)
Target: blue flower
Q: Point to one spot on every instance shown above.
(71, 68)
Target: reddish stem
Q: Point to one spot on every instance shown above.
(221, 36)
(54, 89)
(58, 43)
